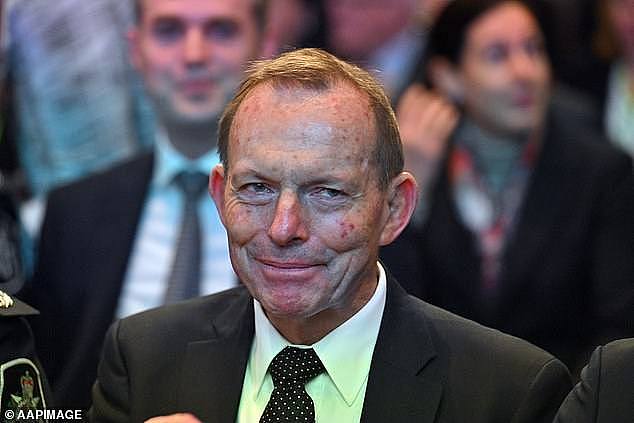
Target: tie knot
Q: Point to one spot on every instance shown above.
(295, 366)
(192, 183)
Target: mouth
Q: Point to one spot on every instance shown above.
(287, 265)
(293, 271)
(196, 87)
(524, 101)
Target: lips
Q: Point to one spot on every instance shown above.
(523, 100)
(196, 87)
(286, 265)
(288, 271)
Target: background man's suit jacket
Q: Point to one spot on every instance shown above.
(567, 279)
(605, 393)
(428, 366)
(86, 241)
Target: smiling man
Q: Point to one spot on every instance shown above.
(310, 186)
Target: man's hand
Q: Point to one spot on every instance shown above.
(174, 418)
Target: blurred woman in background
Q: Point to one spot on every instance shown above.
(528, 223)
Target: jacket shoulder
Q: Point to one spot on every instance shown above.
(198, 318)
(121, 175)
(465, 336)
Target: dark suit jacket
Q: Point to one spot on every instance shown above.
(605, 393)
(567, 281)
(86, 240)
(428, 366)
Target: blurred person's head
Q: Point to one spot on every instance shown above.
(293, 22)
(619, 17)
(191, 53)
(489, 57)
(357, 28)
(428, 10)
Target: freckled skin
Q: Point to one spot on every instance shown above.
(304, 216)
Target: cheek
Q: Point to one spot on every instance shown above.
(158, 60)
(243, 221)
(355, 229)
(545, 75)
(345, 229)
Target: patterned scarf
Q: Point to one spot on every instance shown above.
(488, 214)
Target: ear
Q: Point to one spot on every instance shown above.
(217, 189)
(134, 49)
(402, 200)
(445, 77)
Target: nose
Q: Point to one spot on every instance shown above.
(195, 47)
(288, 225)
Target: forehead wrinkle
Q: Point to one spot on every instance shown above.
(289, 100)
(304, 172)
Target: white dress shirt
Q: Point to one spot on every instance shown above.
(154, 246)
(346, 353)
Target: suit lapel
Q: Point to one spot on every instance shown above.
(116, 224)
(116, 200)
(405, 382)
(541, 210)
(213, 370)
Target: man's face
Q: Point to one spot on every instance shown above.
(191, 54)
(356, 28)
(621, 14)
(300, 201)
(504, 71)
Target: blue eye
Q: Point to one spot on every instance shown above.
(167, 30)
(329, 196)
(329, 192)
(258, 188)
(496, 53)
(221, 29)
(257, 193)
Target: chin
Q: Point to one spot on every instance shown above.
(287, 306)
(197, 112)
(522, 125)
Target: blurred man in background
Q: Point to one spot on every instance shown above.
(386, 37)
(143, 234)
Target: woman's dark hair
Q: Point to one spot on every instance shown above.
(448, 34)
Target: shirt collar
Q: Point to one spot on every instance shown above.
(346, 352)
(170, 162)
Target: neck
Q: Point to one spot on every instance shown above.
(483, 136)
(495, 155)
(193, 140)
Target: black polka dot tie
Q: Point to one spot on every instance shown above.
(291, 369)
